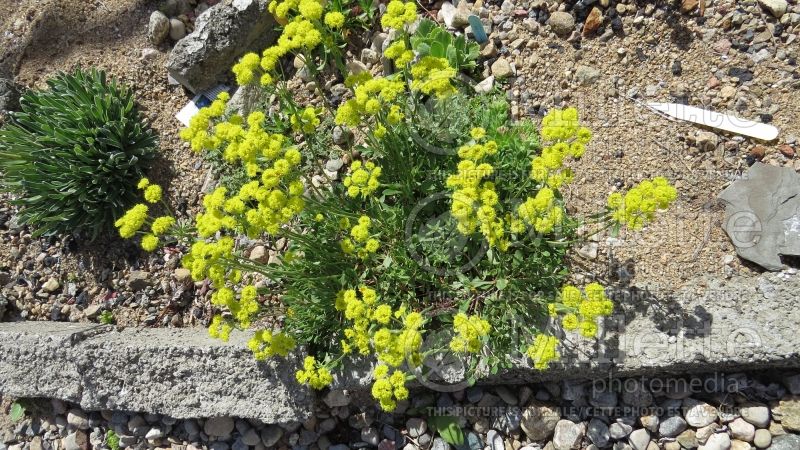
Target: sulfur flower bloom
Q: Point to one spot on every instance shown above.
(543, 351)
(152, 193)
(149, 242)
(362, 179)
(387, 389)
(639, 205)
(132, 221)
(399, 14)
(334, 19)
(469, 332)
(162, 224)
(265, 344)
(314, 374)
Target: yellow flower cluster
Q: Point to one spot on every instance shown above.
(363, 179)
(266, 344)
(370, 96)
(399, 14)
(242, 310)
(314, 374)
(246, 69)
(475, 202)
(220, 328)
(432, 76)
(542, 212)
(132, 221)
(307, 120)
(149, 242)
(360, 243)
(640, 203)
(391, 346)
(310, 9)
(584, 308)
(334, 19)
(399, 53)
(543, 351)
(387, 389)
(469, 332)
(162, 224)
(197, 131)
(568, 139)
(208, 259)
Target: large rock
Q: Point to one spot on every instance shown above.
(762, 215)
(221, 35)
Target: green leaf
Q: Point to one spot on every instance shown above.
(17, 412)
(447, 427)
(501, 283)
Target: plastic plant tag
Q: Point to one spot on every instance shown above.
(477, 29)
(200, 100)
(717, 120)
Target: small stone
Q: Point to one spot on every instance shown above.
(727, 92)
(219, 426)
(416, 427)
(742, 430)
(51, 285)
(792, 383)
(785, 442)
(337, 397)
(270, 435)
(756, 414)
(739, 445)
(650, 422)
(718, 441)
(702, 434)
(539, 421)
(77, 440)
(619, 430)
(786, 150)
(762, 438)
(485, 86)
(501, 68)
(562, 23)
(688, 6)
(597, 432)
(707, 141)
(568, 435)
(259, 253)
(672, 426)
(177, 29)
(153, 434)
(637, 396)
(588, 251)
(157, 28)
(758, 151)
(698, 414)
(776, 7)
(639, 439)
(370, 435)
(78, 419)
(182, 275)
(494, 440)
(687, 439)
(586, 75)
(139, 280)
(593, 22)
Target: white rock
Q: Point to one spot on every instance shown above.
(568, 435)
(639, 439)
(698, 414)
(756, 414)
(718, 441)
(742, 430)
(158, 28)
(485, 86)
(776, 7)
(177, 29)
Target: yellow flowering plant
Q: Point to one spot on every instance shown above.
(446, 219)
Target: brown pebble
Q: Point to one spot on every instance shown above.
(758, 151)
(786, 151)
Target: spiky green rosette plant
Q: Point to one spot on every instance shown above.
(74, 154)
(443, 235)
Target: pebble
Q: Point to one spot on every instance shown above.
(639, 439)
(158, 27)
(177, 29)
(742, 430)
(762, 438)
(51, 285)
(270, 435)
(756, 414)
(776, 7)
(501, 69)
(718, 441)
(672, 426)
(539, 421)
(568, 435)
(698, 414)
(597, 431)
(219, 426)
(586, 75)
(562, 23)
(619, 430)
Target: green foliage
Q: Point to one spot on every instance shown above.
(106, 317)
(448, 429)
(74, 154)
(17, 412)
(432, 39)
(112, 440)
